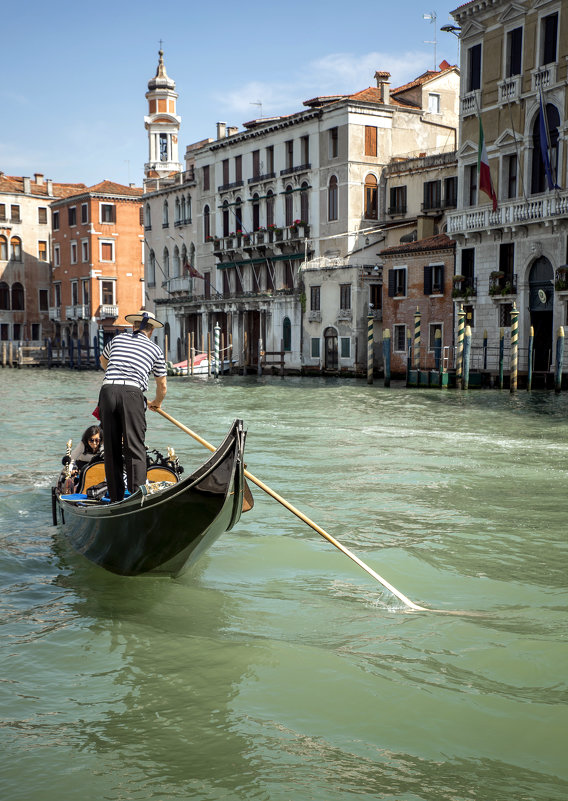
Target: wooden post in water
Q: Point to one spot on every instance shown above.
(466, 356)
(531, 360)
(459, 354)
(417, 319)
(501, 355)
(11, 354)
(209, 353)
(259, 365)
(387, 356)
(559, 360)
(191, 353)
(244, 353)
(230, 354)
(370, 348)
(222, 365)
(514, 368)
(4, 355)
(485, 349)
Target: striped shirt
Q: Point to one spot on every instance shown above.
(132, 358)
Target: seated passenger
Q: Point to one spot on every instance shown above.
(90, 447)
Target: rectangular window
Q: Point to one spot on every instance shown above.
(471, 175)
(305, 145)
(505, 310)
(345, 344)
(72, 215)
(238, 168)
(74, 293)
(36, 331)
(57, 295)
(507, 260)
(107, 293)
(207, 285)
(42, 215)
(333, 143)
(468, 263)
(433, 279)
(434, 103)
(225, 172)
(55, 220)
(397, 200)
(15, 214)
(315, 348)
(289, 149)
(107, 251)
(84, 213)
(108, 213)
(549, 39)
(206, 178)
(85, 250)
(451, 192)
(370, 140)
(255, 163)
(73, 252)
(511, 168)
(43, 299)
(399, 338)
(514, 52)
(376, 296)
(432, 195)
(270, 159)
(432, 328)
(2, 212)
(42, 250)
(86, 294)
(397, 282)
(56, 256)
(315, 297)
(474, 68)
(345, 296)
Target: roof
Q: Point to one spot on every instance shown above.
(14, 184)
(424, 78)
(437, 242)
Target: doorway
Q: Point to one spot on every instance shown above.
(331, 360)
(541, 304)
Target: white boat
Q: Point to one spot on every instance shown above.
(200, 366)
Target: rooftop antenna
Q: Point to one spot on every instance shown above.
(432, 16)
(259, 104)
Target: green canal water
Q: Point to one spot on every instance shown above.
(276, 668)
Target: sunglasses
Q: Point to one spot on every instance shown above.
(94, 439)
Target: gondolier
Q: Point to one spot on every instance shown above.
(127, 360)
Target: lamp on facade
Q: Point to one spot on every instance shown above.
(455, 29)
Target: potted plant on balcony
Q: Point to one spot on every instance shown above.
(458, 286)
(561, 279)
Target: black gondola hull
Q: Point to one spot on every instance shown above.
(165, 532)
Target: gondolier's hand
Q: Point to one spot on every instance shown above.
(161, 389)
(154, 405)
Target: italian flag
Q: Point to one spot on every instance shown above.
(483, 171)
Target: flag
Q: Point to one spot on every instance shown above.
(192, 271)
(483, 171)
(544, 148)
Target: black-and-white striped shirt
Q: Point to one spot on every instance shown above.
(132, 357)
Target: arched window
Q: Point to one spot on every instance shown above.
(17, 297)
(166, 262)
(255, 212)
(4, 296)
(165, 216)
(226, 219)
(332, 199)
(270, 207)
(287, 333)
(152, 269)
(16, 248)
(148, 216)
(192, 255)
(545, 147)
(371, 198)
(238, 216)
(188, 209)
(304, 203)
(289, 205)
(3, 248)
(183, 256)
(206, 223)
(182, 209)
(177, 211)
(176, 262)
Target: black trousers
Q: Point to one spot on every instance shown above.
(123, 418)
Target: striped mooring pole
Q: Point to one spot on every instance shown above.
(417, 318)
(531, 360)
(485, 349)
(216, 346)
(459, 354)
(514, 348)
(501, 355)
(370, 348)
(466, 356)
(387, 356)
(559, 360)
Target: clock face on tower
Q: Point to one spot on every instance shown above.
(163, 147)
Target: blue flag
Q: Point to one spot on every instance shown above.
(544, 149)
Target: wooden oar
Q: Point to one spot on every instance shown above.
(303, 517)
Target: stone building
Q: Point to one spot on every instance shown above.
(98, 268)
(25, 255)
(514, 59)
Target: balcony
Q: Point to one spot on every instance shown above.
(544, 77)
(470, 103)
(107, 310)
(314, 316)
(376, 314)
(55, 313)
(465, 287)
(227, 187)
(510, 213)
(394, 210)
(345, 314)
(257, 179)
(502, 284)
(510, 90)
(293, 170)
(181, 284)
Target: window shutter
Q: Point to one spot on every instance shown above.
(391, 283)
(427, 279)
(442, 279)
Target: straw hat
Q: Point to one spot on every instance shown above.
(139, 317)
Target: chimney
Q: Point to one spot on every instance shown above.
(38, 178)
(221, 130)
(50, 187)
(425, 227)
(232, 129)
(383, 85)
(27, 186)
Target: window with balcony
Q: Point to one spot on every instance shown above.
(226, 219)
(86, 287)
(238, 168)
(74, 293)
(545, 150)
(225, 168)
(305, 150)
(269, 208)
(474, 68)
(315, 297)
(333, 143)
(289, 205)
(397, 282)
(42, 215)
(176, 264)
(57, 295)
(72, 216)
(332, 199)
(238, 215)
(471, 184)
(370, 140)
(451, 192)
(107, 293)
(514, 53)
(207, 285)
(255, 163)
(371, 198)
(270, 159)
(289, 153)
(42, 250)
(206, 223)
(376, 297)
(397, 200)
(549, 39)
(304, 203)
(255, 212)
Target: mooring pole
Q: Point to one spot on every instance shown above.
(531, 360)
(387, 356)
(209, 353)
(514, 349)
(485, 349)
(370, 349)
(217, 337)
(559, 360)
(417, 318)
(459, 354)
(501, 355)
(466, 356)
(437, 349)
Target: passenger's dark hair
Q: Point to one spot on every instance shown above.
(88, 433)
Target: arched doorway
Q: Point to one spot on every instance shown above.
(330, 352)
(541, 302)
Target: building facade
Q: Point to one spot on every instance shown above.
(25, 255)
(98, 261)
(514, 59)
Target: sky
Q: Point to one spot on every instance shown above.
(74, 74)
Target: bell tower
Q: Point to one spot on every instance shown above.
(162, 124)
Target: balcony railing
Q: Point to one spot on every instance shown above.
(256, 179)
(392, 210)
(541, 208)
(502, 284)
(107, 310)
(471, 103)
(182, 283)
(510, 89)
(544, 77)
(299, 168)
(345, 314)
(55, 312)
(464, 287)
(233, 185)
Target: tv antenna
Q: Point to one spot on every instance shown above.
(259, 104)
(431, 17)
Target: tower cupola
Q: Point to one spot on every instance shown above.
(162, 124)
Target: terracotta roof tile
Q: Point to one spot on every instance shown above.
(112, 188)
(15, 184)
(426, 76)
(437, 242)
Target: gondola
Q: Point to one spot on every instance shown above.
(163, 527)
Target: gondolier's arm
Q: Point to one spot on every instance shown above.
(161, 389)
